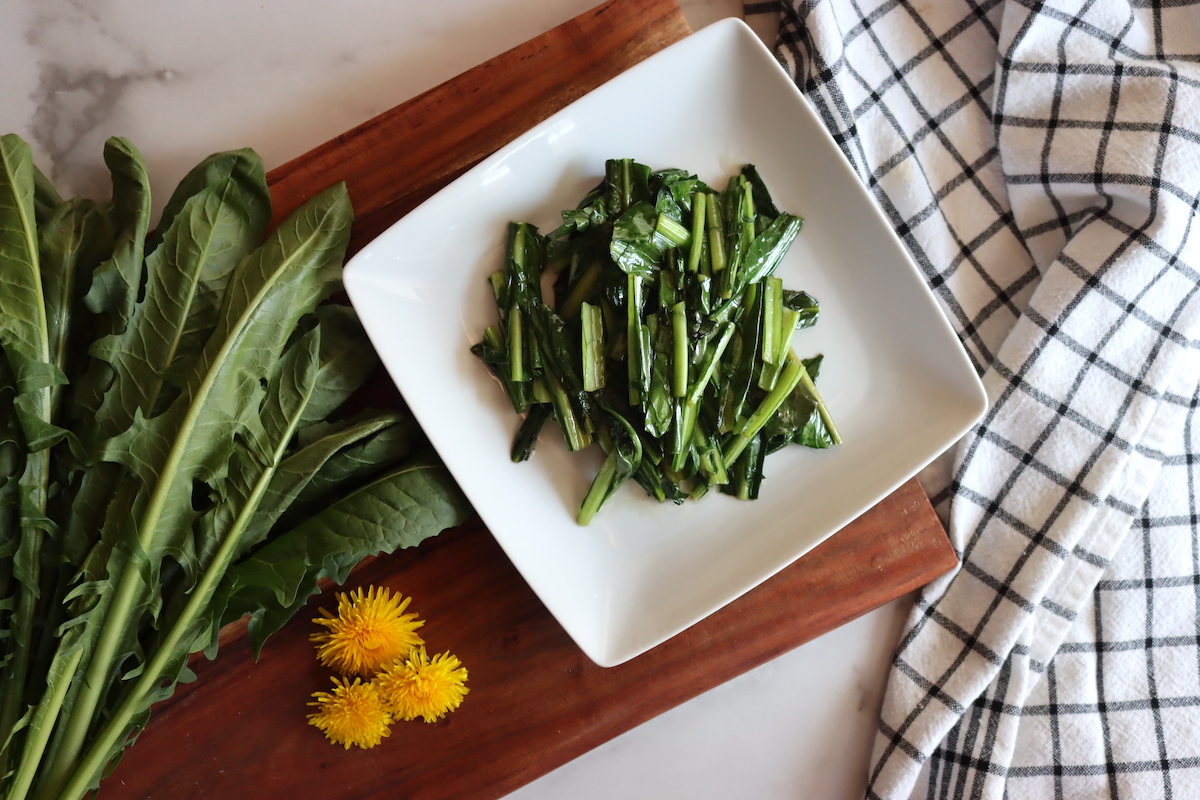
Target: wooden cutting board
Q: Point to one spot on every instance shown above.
(535, 700)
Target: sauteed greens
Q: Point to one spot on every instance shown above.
(173, 453)
(668, 340)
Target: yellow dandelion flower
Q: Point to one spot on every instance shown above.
(369, 631)
(420, 686)
(352, 714)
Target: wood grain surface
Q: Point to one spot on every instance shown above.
(535, 699)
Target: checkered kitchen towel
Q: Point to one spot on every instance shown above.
(1042, 161)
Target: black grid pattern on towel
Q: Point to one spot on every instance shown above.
(1041, 161)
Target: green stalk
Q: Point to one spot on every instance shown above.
(691, 407)
(698, 214)
(598, 491)
(680, 358)
(672, 231)
(745, 236)
(792, 375)
(527, 434)
(576, 439)
(116, 621)
(201, 594)
(716, 235)
(514, 391)
(772, 311)
(811, 388)
(626, 184)
(592, 346)
(783, 344)
(38, 467)
(516, 346)
(633, 338)
(35, 746)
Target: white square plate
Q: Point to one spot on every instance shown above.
(895, 377)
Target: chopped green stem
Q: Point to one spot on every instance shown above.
(716, 235)
(772, 308)
(672, 231)
(576, 438)
(787, 326)
(691, 407)
(633, 338)
(712, 464)
(708, 365)
(680, 358)
(748, 201)
(598, 492)
(793, 373)
(514, 391)
(698, 213)
(592, 346)
(516, 346)
(811, 388)
(626, 183)
(527, 434)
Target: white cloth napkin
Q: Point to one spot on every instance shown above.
(1041, 161)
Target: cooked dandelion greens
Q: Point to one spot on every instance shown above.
(668, 340)
(173, 450)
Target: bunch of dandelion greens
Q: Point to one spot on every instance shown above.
(668, 338)
(173, 449)
(372, 637)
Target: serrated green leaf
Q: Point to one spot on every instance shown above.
(46, 198)
(189, 445)
(400, 509)
(74, 240)
(294, 474)
(22, 306)
(265, 442)
(347, 358)
(114, 290)
(112, 294)
(215, 169)
(193, 440)
(25, 340)
(353, 465)
(186, 278)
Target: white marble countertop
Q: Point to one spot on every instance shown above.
(185, 79)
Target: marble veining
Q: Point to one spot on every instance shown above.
(75, 107)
